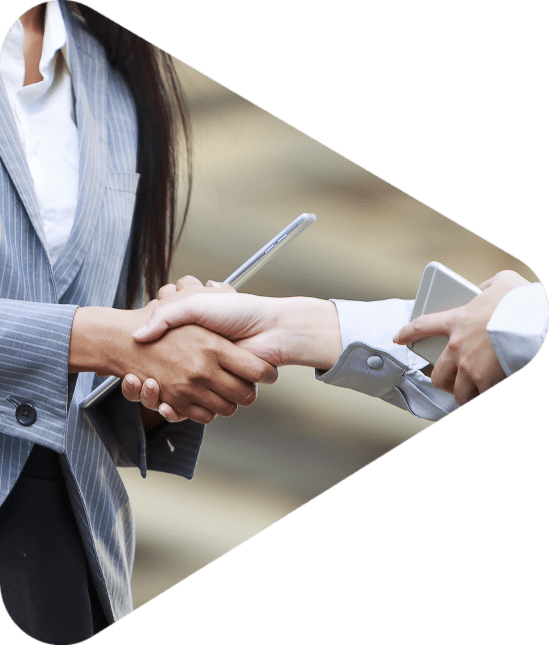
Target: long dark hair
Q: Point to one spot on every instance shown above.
(161, 108)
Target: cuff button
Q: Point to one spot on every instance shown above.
(374, 362)
(25, 414)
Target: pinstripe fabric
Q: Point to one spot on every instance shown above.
(37, 305)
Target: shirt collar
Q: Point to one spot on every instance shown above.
(55, 35)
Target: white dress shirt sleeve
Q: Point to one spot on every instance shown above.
(518, 326)
(371, 363)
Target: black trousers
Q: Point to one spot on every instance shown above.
(44, 575)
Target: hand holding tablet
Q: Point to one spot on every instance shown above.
(449, 329)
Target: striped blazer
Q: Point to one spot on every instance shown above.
(37, 305)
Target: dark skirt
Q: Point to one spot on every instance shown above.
(44, 575)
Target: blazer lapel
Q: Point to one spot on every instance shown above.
(89, 79)
(13, 156)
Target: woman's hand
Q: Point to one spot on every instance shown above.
(281, 331)
(468, 365)
(148, 393)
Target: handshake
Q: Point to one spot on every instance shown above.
(198, 351)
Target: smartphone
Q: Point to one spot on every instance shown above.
(440, 289)
(236, 279)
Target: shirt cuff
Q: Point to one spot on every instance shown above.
(370, 361)
(365, 369)
(372, 364)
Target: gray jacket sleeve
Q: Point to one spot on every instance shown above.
(35, 339)
(169, 447)
(371, 363)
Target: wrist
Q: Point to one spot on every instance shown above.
(309, 332)
(101, 339)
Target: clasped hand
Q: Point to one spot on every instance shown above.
(192, 372)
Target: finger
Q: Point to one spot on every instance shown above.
(150, 394)
(444, 372)
(220, 395)
(169, 413)
(221, 391)
(188, 281)
(166, 291)
(490, 373)
(131, 387)
(217, 403)
(464, 388)
(220, 286)
(271, 374)
(200, 414)
(437, 324)
(246, 365)
(162, 319)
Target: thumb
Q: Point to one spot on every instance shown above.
(151, 330)
(486, 284)
(165, 317)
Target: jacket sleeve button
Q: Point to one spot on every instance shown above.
(375, 362)
(25, 414)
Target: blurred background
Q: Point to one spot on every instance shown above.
(253, 174)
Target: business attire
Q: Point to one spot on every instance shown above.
(519, 325)
(371, 363)
(49, 269)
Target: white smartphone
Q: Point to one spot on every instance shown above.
(236, 279)
(440, 289)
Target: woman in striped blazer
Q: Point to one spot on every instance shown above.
(88, 122)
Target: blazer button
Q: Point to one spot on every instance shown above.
(25, 414)
(375, 362)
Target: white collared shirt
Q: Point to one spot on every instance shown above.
(519, 325)
(45, 117)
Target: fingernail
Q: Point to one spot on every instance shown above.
(140, 332)
(395, 339)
